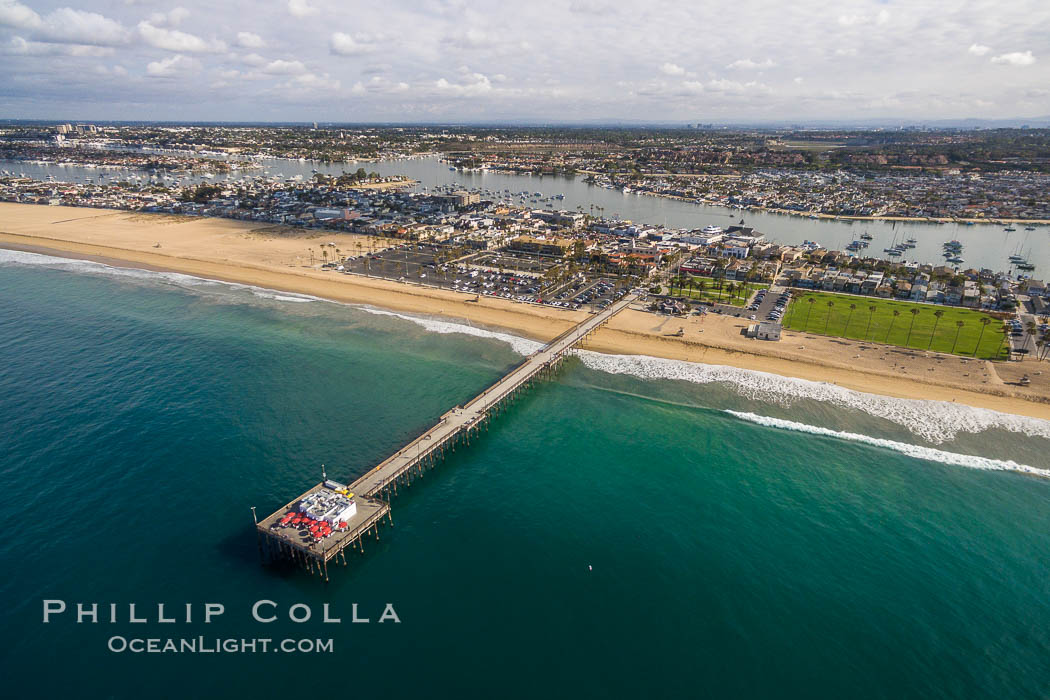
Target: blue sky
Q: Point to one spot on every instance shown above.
(449, 60)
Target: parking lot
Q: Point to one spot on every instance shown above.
(769, 305)
(486, 273)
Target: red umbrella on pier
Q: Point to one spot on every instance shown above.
(342, 525)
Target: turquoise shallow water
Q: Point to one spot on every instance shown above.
(609, 536)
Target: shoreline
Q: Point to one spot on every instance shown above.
(819, 215)
(240, 254)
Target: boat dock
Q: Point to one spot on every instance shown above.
(371, 492)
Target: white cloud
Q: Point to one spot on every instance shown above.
(171, 19)
(18, 46)
(748, 64)
(301, 8)
(855, 20)
(175, 40)
(313, 81)
(672, 69)
(248, 40)
(64, 25)
(377, 84)
(254, 59)
(851, 51)
(345, 45)
(473, 39)
(592, 7)
(978, 49)
(472, 85)
(15, 14)
(172, 65)
(280, 67)
(1015, 58)
(732, 87)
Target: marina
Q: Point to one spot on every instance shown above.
(355, 511)
(984, 242)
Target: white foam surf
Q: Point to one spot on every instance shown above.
(935, 421)
(522, 346)
(931, 454)
(178, 279)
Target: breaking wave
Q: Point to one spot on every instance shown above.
(935, 421)
(931, 454)
(176, 279)
(522, 346)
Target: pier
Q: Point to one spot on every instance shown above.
(372, 491)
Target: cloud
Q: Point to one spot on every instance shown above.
(173, 18)
(851, 51)
(378, 85)
(472, 39)
(855, 20)
(748, 64)
(171, 66)
(280, 67)
(174, 40)
(18, 46)
(978, 49)
(342, 44)
(248, 40)
(64, 25)
(254, 59)
(592, 7)
(1015, 58)
(15, 14)
(732, 87)
(672, 69)
(472, 85)
(313, 81)
(301, 8)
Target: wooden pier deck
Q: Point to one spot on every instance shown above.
(373, 490)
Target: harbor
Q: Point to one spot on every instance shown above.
(316, 528)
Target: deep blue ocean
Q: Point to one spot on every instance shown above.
(632, 528)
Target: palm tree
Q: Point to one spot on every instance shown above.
(852, 308)
(701, 285)
(893, 320)
(984, 324)
(1039, 349)
(914, 314)
(730, 288)
(828, 319)
(806, 325)
(959, 329)
(871, 314)
(936, 318)
(1030, 328)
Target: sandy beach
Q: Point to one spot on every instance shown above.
(288, 259)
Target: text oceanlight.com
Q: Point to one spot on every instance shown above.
(203, 645)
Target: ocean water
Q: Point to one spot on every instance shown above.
(634, 528)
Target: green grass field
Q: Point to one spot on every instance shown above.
(741, 290)
(881, 326)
